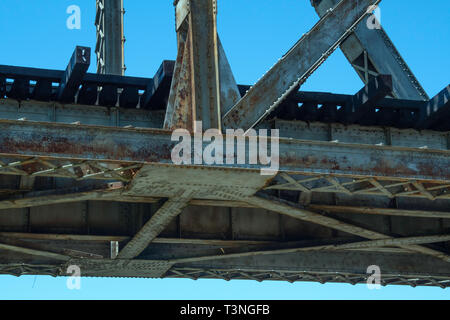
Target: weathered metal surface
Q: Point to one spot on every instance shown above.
(131, 146)
(308, 106)
(84, 114)
(157, 223)
(381, 56)
(296, 65)
(164, 181)
(195, 91)
(205, 62)
(179, 106)
(372, 135)
(182, 10)
(379, 183)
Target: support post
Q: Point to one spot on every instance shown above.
(110, 37)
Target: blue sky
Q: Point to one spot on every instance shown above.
(254, 34)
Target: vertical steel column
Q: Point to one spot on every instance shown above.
(205, 62)
(110, 37)
(196, 89)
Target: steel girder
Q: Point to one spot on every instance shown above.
(88, 152)
(157, 223)
(331, 261)
(297, 64)
(32, 141)
(371, 53)
(203, 85)
(227, 274)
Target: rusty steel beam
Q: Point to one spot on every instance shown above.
(298, 64)
(178, 112)
(131, 146)
(204, 61)
(195, 90)
(153, 227)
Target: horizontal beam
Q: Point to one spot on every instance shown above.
(162, 240)
(381, 211)
(145, 146)
(159, 240)
(291, 276)
(34, 252)
(342, 99)
(61, 237)
(346, 246)
(84, 114)
(256, 270)
(297, 64)
(51, 197)
(14, 72)
(332, 262)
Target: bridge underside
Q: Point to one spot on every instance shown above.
(86, 176)
(69, 198)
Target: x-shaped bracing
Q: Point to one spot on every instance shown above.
(391, 187)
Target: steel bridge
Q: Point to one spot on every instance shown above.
(86, 176)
